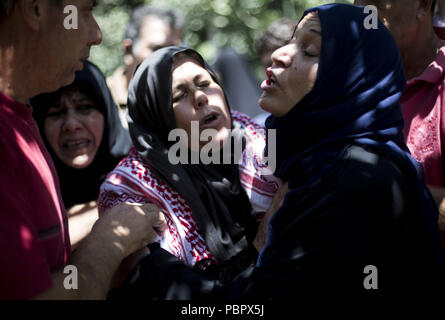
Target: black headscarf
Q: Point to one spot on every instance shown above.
(219, 204)
(82, 185)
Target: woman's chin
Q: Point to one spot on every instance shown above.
(268, 105)
(79, 162)
(262, 102)
(278, 108)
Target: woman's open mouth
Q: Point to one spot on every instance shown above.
(76, 145)
(210, 121)
(270, 82)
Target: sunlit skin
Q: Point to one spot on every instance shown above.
(294, 68)
(197, 97)
(74, 129)
(410, 23)
(70, 46)
(43, 54)
(397, 17)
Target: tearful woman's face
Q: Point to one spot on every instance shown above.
(74, 128)
(197, 97)
(294, 68)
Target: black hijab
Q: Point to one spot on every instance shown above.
(219, 204)
(82, 185)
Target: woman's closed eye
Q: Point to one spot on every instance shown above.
(178, 96)
(85, 108)
(204, 84)
(311, 51)
(310, 54)
(56, 112)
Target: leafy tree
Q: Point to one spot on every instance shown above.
(210, 24)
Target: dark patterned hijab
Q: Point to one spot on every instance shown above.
(213, 192)
(82, 185)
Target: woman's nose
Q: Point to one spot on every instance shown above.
(71, 123)
(201, 99)
(281, 57)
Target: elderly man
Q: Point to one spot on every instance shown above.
(41, 55)
(423, 103)
(150, 28)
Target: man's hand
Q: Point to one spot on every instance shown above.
(147, 213)
(277, 201)
(131, 226)
(121, 231)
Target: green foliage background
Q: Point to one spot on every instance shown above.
(210, 24)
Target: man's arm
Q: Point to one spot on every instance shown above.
(81, 219)
(121, 231)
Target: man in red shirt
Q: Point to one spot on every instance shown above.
(423, 102)
(39, 53)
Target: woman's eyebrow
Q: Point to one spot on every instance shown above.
(196, 78)
(297, 31)
(199, 77)
(81, 99)
(180, 87)
(55, 106)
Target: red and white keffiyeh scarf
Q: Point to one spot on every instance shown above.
(131, 181)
